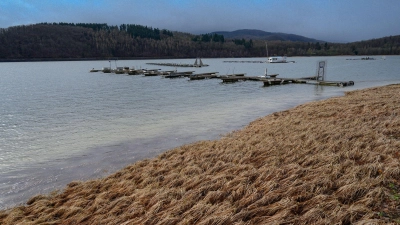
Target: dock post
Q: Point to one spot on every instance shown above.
(321, 67)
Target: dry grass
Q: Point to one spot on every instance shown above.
(328, 162)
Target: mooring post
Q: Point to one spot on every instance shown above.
(321, 65)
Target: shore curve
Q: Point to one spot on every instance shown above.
(324, 162)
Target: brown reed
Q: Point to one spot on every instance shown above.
(327, 162)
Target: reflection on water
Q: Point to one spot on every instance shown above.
(59, 123)
(318, 90)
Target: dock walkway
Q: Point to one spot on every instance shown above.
(202, 76)
(179, 74)
(267, 79)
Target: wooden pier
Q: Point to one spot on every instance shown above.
(241, 77)
(334, 83)
(176, 74)
(234, 78)
(152, 72)
(202, 76)
(243, 61)
(135, 72)
(212, 75)
(233, 61)
(267, 79)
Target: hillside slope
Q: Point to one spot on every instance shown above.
(335, 161)
(100, 41)
(263, 35)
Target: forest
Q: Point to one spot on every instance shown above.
(70, 41)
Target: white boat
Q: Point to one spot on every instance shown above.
(277, 59)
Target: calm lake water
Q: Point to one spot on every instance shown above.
(59, 122)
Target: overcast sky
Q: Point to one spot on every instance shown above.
(327, 20)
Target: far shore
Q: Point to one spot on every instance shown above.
(84, 59)
(144, 58)
(335, 161)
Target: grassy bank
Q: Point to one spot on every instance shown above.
(335, 161)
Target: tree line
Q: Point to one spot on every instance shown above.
(92, 40)
(132, 29)
(208, 38)
(247, 44)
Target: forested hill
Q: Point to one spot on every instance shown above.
(263, 35)
(49, 41)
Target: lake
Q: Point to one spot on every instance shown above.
(60, 123)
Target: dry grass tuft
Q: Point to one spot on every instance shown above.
(335, 161)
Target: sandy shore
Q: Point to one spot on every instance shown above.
(335, 161)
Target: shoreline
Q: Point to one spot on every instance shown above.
(153, 58)
(269, 171)
(83, 59)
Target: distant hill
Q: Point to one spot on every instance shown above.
(67, 41)
(263, 35)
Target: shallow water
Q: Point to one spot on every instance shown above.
(60, 123)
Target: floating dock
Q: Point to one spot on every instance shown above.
(267, 79)
(176, 74)
(271, 79)
(234, 78)
(233, 61)
(135, 72)
(244, 61)
(152, 72)
(334, 83)
(202, 76)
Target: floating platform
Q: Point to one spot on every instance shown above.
(334, 83)
(245, 61)
(135, 72)
(233, 77)
(175, 74)
(241, 77)
(275, 81)
(154, 72)
(202, 76)
(267, 79)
